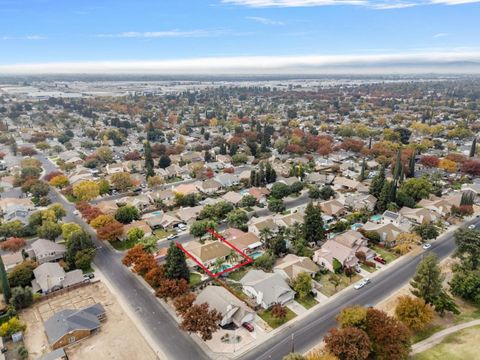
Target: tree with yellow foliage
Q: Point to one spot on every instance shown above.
(59, 181)
(101, 221)
(448, 165)
(86, 190)
(406, 241)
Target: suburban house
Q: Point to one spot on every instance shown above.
(419, 215)
(388, 232)
(188, 215)
(51, 277)
(257, 225)
(43, 251)
(9, 205)
(343, 248)
(108, 207)
(246, 242)
(58, 354)
(230, 307)
(333, 208)
(289, 220)
(209, 186)
(71, 325)
(232, 197)
(439, 205)
(161, 220)
(209, 252)
(359, 201)
(260, 194)
(10, 260)
(292, 265)
(267, 289)
(139, 224)
(228, 180)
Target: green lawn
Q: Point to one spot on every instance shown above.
(161, 233)
(195, 279)
(307, 302)
(329, 289)
(461, 345)
(123, 245)
(388, 255)
(238, 274)
(266, 315)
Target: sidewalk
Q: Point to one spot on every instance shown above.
(439, 336)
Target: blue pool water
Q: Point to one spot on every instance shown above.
(255, 254)
(356, 226)
(376, 218)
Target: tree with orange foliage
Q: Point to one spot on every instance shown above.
(278, 311)
(348, 343)
(354, 145)
(447, 165)
(133, 255)
(13, 244)
(471, 167)
(172, 288)
(429, 161)
(183, 303)
(200, 319)
(155, 276)
(111, 231)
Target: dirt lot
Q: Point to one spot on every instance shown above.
(118, 337)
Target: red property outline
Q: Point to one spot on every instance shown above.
(248, 259)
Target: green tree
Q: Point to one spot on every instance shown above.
(199, 228)
(276, 205)
(354, 316)
(468, 246)
(377, 183)
(147, 150)
(79, 240)
(176, 265)
(84, 258)
(238, 218)
(126, 214)
(302, 284)
(426, 231)
(22, 274)
(427, 281)
(314, 192)
(68, 229)
(280, 190)
(4, 280)
(466, 284)
(49, 230)
(21, 297)
(417, 188)
(164, 161)
(135, 234)
(326, 192)
(313, 224)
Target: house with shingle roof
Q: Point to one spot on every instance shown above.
(208, 252)
(267, 289)
(292, 265)
(71, 325)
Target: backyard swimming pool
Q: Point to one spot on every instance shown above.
(376, 218)
(255, 254)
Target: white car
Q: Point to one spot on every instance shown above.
(426, 246)
(471, 227)
(361, 284)
(172, 236)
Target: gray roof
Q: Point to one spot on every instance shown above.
(43, 245)
(54, 355)
(272, 285)
(70, 320)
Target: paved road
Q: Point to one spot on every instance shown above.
(160, 325)
(306, 333)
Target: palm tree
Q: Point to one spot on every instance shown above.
(266, 235)
(217, 266)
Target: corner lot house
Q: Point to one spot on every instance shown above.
(231, 308)
(69, 326)
(267, 289)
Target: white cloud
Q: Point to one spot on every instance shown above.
(415, 62)
(440, 35)
(165, 34)
(375, 4)
(265, 21)
(26, 37)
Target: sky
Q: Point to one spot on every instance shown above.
(239, 36)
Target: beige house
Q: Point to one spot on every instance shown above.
(420, 215)
(209, 252)
(333, 208)
(388, 232)
(292, 265)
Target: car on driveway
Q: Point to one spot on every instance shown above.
(248, 326)
(426, 246)
(380, 260)
(361, 283)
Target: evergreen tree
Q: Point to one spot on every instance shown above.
(398, 166)
(370, 143)
(164, 161)
(223, 149)
(384, 197)
(427, 282)
(253, 178)
(377, 183)
(7, 294)
(411, 166)
(147, 150)
(362, 171)
(314, 231)
(176, 265)
(261, 174)
(270, 174)
(473, 149)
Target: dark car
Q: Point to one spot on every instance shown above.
(89, 276)
(248, 326)
(380, 260)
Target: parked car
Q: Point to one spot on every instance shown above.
(426, 246)
(471, 227)
(172, 236)
(89, 275)
(248, 326)
(380, 260)
(361, 283)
